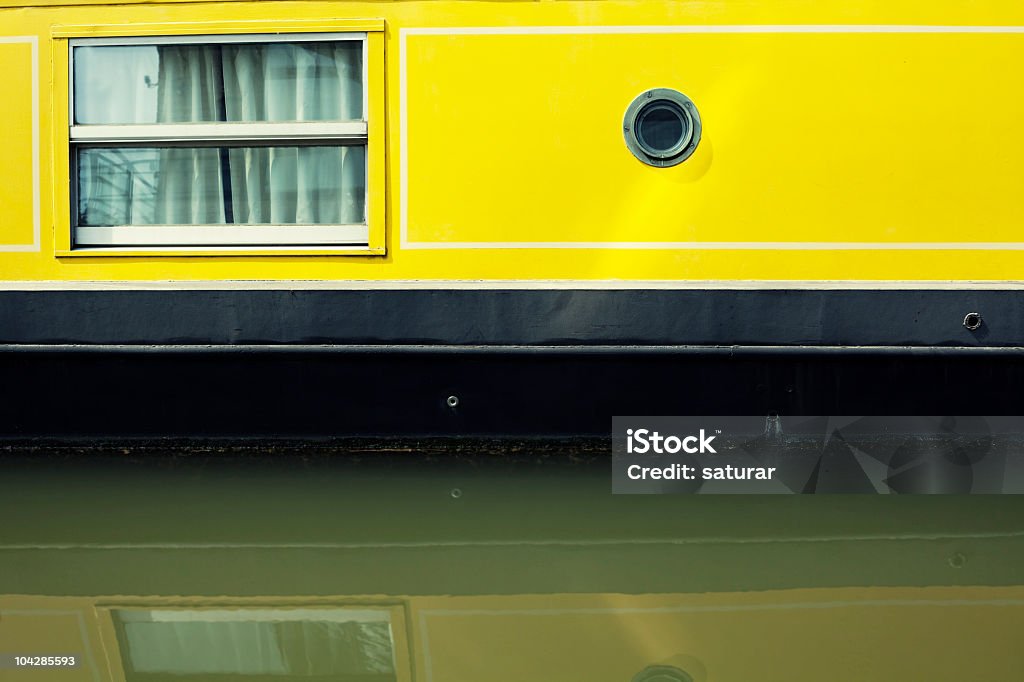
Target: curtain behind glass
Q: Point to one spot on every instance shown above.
(268, 185)
(274, 82)
(278, 82)
(308, 81)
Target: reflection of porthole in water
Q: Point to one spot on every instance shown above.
(662, 127)
(662, 673)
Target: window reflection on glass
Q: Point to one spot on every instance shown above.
(346, 645)
(660, 128)
(221, 185)
(272, 82)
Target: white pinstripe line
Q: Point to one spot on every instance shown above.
(33, 42)
(516, 284)
(708, 28)
(732, 246)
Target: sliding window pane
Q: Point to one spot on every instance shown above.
(221, 186)
(232, 82)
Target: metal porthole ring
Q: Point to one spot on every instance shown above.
(661, 106)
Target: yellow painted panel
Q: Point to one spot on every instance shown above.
(829, 137)
(963, 89)
(17, 204)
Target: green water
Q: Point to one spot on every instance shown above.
(529, 537)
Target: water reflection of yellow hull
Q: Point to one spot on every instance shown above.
(879, 634)
(491, 571)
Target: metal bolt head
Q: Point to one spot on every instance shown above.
(972, 321)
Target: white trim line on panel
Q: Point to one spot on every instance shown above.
(33, 42)
(406, 243)
(732, 246)
(503, 284)
(403, 150)
(707, 28)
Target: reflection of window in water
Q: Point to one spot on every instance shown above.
(346, 645)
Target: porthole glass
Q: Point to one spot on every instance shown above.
(662, 127)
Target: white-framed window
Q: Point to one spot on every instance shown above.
(211, 141)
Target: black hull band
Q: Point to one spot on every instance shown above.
(300, 394)
(914, 318)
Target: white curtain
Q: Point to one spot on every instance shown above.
(275, 82)
(112, 84)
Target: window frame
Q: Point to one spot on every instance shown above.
(359, 239)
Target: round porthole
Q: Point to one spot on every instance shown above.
(662, 127)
